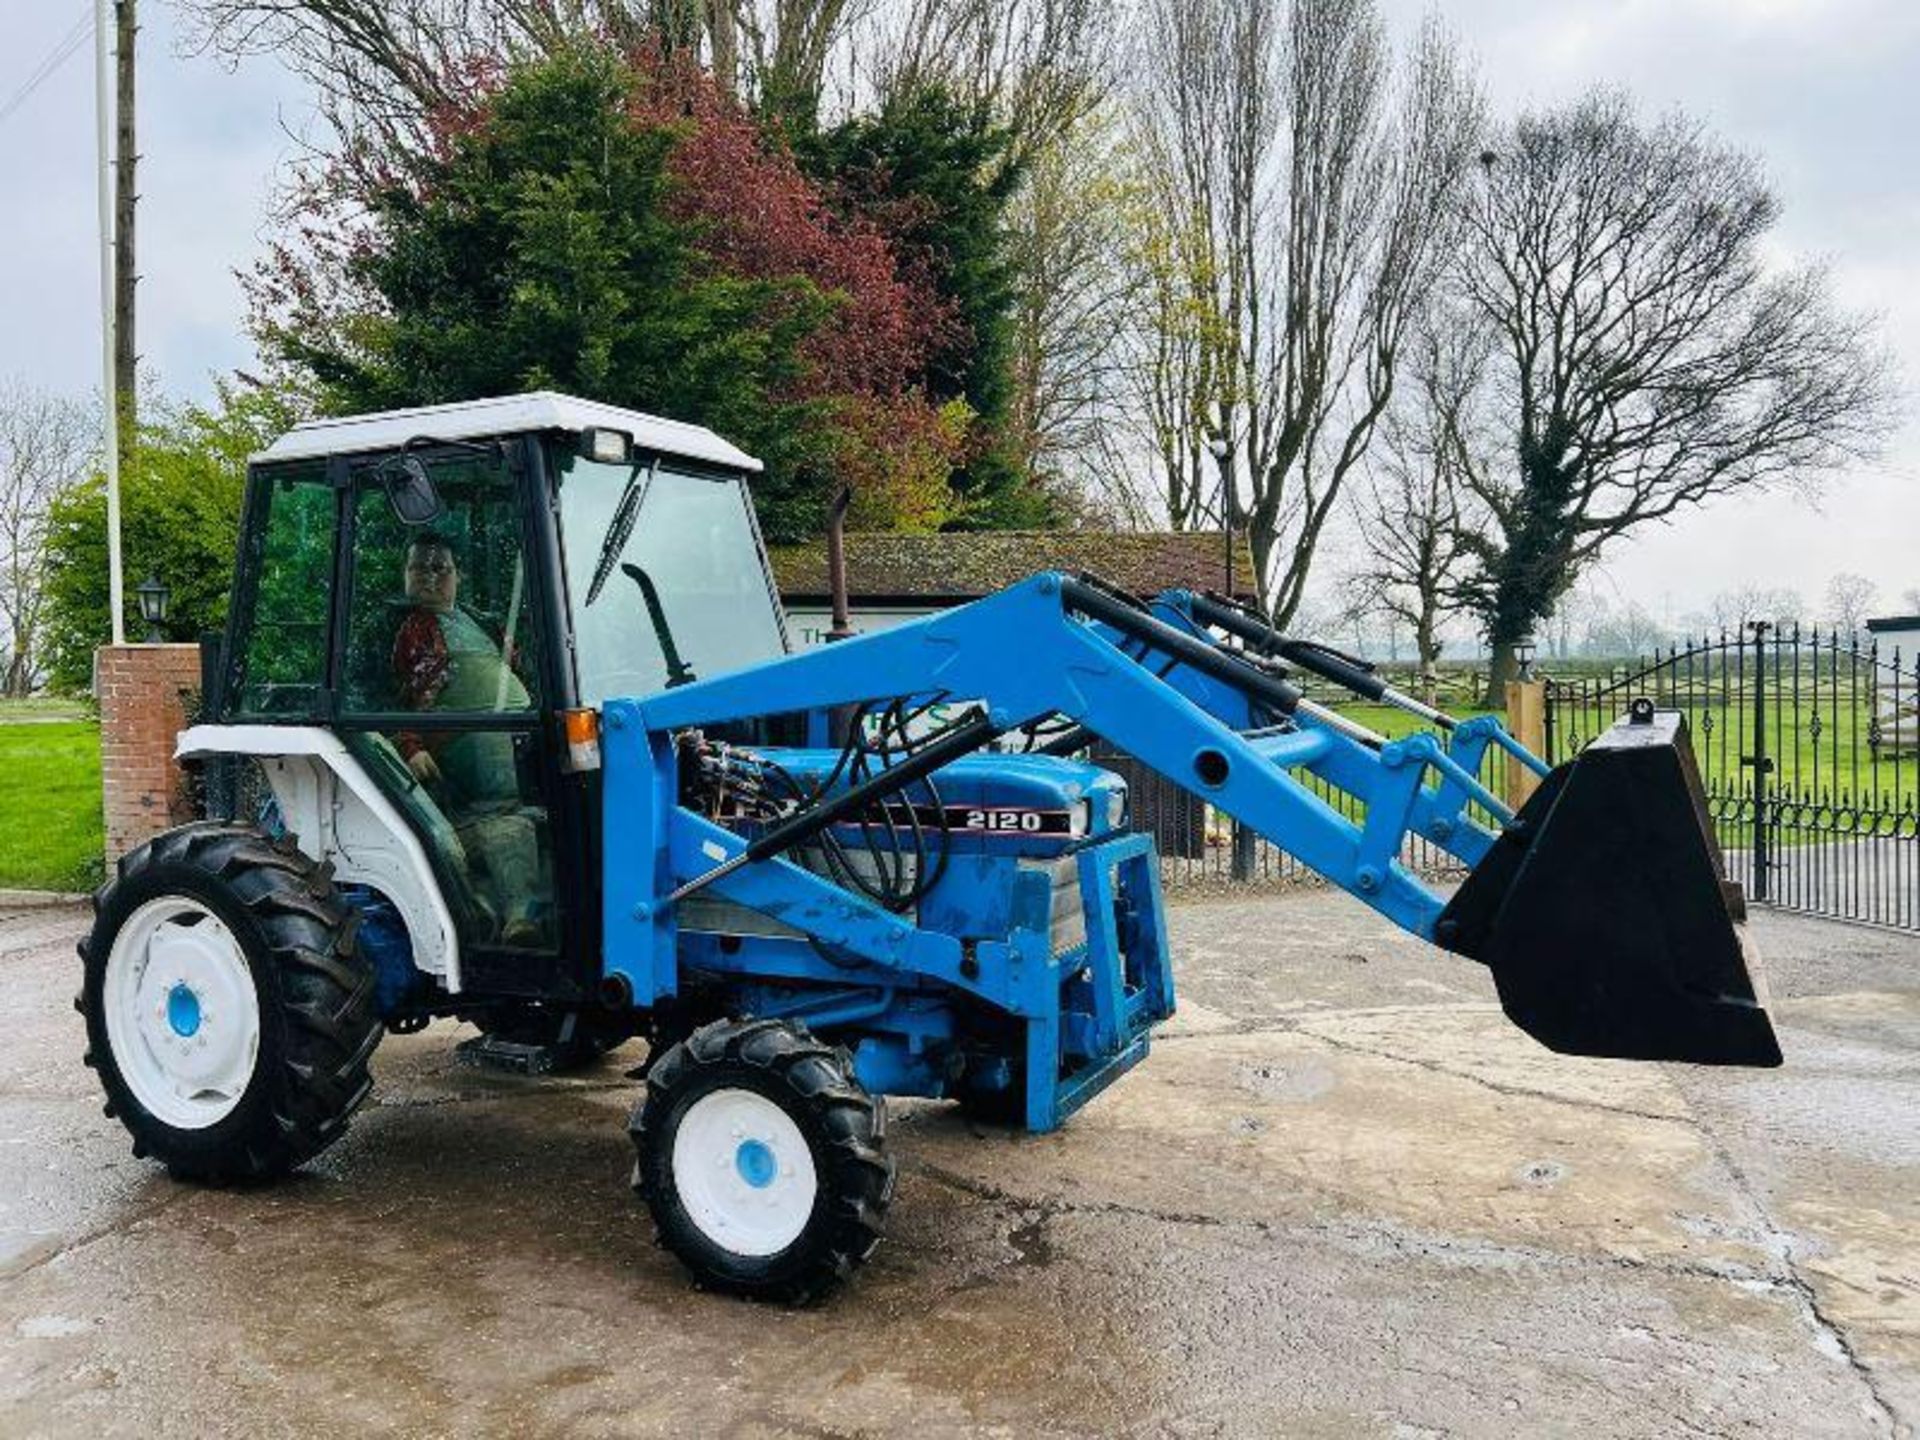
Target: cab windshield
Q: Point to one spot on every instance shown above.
(665, 578)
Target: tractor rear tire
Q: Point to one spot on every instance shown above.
(229, 1014)
(762, 1160)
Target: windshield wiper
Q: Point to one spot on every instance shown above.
(678, 671)
(620, 528)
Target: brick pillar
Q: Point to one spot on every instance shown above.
(144, 691)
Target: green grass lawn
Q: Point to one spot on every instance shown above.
(50, 798)
(1827, 780)
(46, 707)
(1392, 722)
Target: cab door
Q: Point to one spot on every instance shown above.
(445, 691)
(278, 628)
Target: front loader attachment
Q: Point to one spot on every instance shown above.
(1601, 907)
(1605, 915)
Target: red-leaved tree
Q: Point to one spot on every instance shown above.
(396, 274)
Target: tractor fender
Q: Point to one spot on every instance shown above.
(338, 813)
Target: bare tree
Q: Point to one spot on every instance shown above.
(379, 66)
(1206, 122)
(1650, 360)
(46, 444)
(1911, 600)
(1304, 210)
(1625, 632)
(1414, 505)
(1573, 618)
(786, 47)
(1731, 611)
(1849, 598)
(1066, 233)
(1039, 66)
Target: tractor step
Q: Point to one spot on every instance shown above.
(513, 1057)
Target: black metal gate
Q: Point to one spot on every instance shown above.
(1807, 748)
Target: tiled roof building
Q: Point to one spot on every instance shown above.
(932, 571)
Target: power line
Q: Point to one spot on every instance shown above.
(68, 46)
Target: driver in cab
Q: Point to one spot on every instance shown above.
(446, 660)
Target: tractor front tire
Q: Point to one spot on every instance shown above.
(762, 1160)
(229, 1014)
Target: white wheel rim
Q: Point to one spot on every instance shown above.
(183, 1018)
(744, 1172)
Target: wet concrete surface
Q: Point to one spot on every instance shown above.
(1342, 1198)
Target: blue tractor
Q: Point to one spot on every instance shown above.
(513, 685)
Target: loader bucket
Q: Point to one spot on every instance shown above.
(1605, 914)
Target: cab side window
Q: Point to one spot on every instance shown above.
(442, 616)
(282, 641)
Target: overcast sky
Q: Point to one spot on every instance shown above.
(1826, 91)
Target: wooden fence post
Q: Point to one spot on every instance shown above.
(1527, 723)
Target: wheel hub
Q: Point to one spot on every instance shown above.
(183, 1017)
(183, 1010)
(756, 1164)
(744, 1172)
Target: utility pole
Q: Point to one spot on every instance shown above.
(126, 358)
(1245, 840)
(109, 399)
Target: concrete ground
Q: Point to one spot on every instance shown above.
(1342, 1198)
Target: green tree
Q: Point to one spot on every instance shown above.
(938, 173)
(179, 521)
(542, 251)
(618, 227)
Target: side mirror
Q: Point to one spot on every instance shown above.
(411, 491)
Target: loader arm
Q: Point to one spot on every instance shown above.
(1441, 814)
(1626, 947)
(1052, 645)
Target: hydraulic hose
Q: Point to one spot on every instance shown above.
(1097, 603)
(963, 739)
(1329, 664)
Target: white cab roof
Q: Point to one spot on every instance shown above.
(505, 415)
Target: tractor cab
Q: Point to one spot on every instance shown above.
(435, 589)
